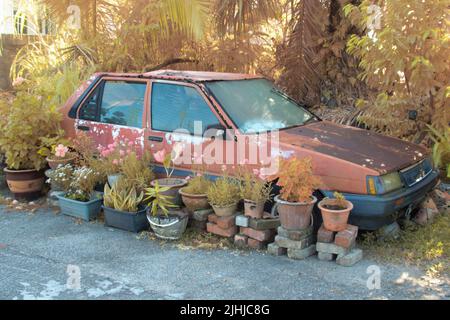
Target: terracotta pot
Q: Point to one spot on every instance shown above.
(334, 220)
(294, 215)
(25, 183)
(54, 163)
(253, 209)
(194, 202)
(225, 211)
(175, 185)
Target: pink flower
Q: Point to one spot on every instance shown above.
(111, 146)
(256, 172)
(199, 174)
(61, 150)
(18, 81)
(130, 144)
(160, 155)
(115, 162)
(122, 153)
(188, 178)
(224, 167)
(129, 151)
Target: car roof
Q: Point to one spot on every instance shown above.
(195, 76)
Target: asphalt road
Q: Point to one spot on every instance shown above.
(37, 249)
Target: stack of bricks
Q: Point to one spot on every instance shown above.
(199, 219)
(338, 245)
(222, 226)
(297, 244)
(255, 233)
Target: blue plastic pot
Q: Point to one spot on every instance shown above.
(82, 210)
(128, 221)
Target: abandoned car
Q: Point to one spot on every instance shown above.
(383, 177)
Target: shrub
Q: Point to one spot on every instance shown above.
(198, 185)
(253, 188)
(159, 201)
(296, 179)
(83, 183)
(26, 124)
(137, 170)
(224, 192)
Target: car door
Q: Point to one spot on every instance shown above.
(180, 115)
(116, 109)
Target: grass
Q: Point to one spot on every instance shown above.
(427, 247)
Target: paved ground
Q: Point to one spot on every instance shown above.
(36, 249)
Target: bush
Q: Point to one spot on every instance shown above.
(224, 192)
(26, 124)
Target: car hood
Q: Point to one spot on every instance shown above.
(362, 147)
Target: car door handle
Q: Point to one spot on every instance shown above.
(83, 128)
(154, 138)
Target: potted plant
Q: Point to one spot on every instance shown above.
(255, 193)
(171, 185)
(123, 208)
(79, 199)
(60, 155)
(335, 212)
(223, 195)
(295, 202)
(194, 194)
(25, 123)
(167, 223)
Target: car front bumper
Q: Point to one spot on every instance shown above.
(373, 212)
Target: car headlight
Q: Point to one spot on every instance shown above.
(384, 184)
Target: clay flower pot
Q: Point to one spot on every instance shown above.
(226, 211)
(175, 185)
(334, 219)
(194, 202)
(294, 215)
(253, 209)
(54, 163)
(25, 184)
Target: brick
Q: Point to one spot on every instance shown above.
(325, 235)
(331, 248)
(348, 260)
(223, 222)
(276, 250)
(301, 254)
(214, 228)
(295, 234)
(264, 224)
(240, 240)
(256, 244)
(293, 244)
(323, 256)
(346, 238)
(202, 215)
(260, 235)
(242, 221)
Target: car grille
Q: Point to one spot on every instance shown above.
(417, 172)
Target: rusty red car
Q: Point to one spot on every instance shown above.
(384, 177)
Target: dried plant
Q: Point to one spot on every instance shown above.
(340, 199)
(297, 180)
(137, 170)
(224, 192)
(199, 184)
(253, 188)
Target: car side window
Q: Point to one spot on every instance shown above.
(122, 103)
(178, 107)
(88, 110)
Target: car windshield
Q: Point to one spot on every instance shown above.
(257, 106)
